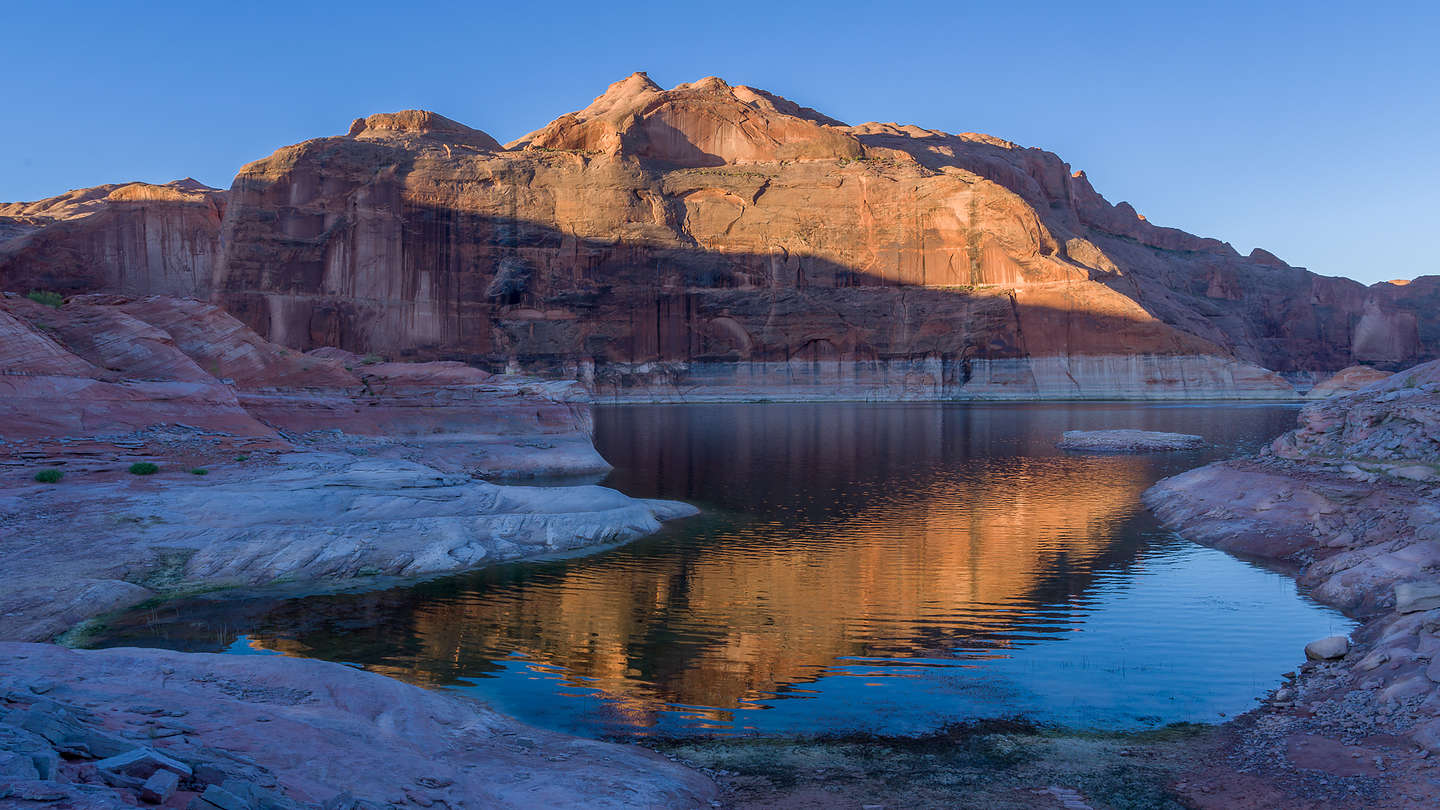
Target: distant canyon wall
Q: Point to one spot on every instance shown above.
(133, 239)
(718, 241)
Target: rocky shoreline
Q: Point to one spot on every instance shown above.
(1349, 500)
(153, 446)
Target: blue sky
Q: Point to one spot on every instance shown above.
(1307, 128)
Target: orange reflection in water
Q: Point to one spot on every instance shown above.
(978, 558)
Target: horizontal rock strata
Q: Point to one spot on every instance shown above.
(101, 365)
(272, 464)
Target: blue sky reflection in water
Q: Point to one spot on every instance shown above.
(871, 567)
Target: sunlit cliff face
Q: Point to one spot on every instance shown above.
(949, 567)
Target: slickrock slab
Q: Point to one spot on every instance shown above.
(1128, 441)
(298, 516)
(288, 733)
(273, 464)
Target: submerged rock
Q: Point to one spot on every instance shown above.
(1128, 441)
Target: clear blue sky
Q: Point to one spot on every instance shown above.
(1309, 128)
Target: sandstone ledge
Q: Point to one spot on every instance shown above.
(100, 542)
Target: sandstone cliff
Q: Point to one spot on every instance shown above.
(721, 241)
(131, 238)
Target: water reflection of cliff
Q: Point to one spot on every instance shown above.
(904, 534)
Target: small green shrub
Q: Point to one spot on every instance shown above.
(49, 299)
(143, 468)
(371, 359)
(242, 458)
(49, 476)
(199, 471)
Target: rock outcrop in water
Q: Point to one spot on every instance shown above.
(273, 464)
(718, 241)
(1128, 441)
(1350, 499)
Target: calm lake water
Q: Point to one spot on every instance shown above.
(857, 567)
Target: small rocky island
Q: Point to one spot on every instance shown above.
(1128, 441)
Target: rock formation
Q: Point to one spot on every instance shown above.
(273, 464)
(103, 365)
(718, 241)
(1128, 441)
(1346, 380)
(130, 238)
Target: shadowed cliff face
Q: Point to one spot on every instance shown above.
(135, 239)
(672, 240)
(712, 223)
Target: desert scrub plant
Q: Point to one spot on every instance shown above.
(50, 476)
(199, 471)
(143, 468)
(49, 299)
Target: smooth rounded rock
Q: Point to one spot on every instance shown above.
(1327, 648)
